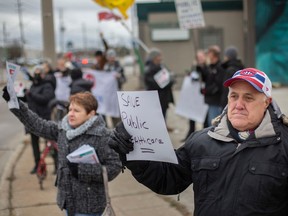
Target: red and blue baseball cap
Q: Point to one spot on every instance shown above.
(258, 79)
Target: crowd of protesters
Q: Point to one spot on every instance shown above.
(60, 106)
(212, 71)
(67, 79)
(50, 89)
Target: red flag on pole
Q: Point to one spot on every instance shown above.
(107, 16)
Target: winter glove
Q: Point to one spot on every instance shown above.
(5, 94)
(122, 143)
(73, 169)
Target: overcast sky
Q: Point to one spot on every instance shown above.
(76, 14)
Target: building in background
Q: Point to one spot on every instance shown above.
(256, 27)
(159, 27)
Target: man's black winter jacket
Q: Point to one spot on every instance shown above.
(229, 178)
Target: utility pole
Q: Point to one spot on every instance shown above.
(4, 52)
(4, 40)
(249, 32)
(84, 37)
(22, 39)
(62, 30)
(48, 30)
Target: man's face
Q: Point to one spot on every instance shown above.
(212, 58)
(111, 59)
(201, 58)
(98, 58)
(61, 64)
(246, 106)
(157, 60)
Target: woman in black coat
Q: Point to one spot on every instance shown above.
(154, 65)
(38, 96)
(78, 83)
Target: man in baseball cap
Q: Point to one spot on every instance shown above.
(237, 167)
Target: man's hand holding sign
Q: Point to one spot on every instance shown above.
(142, 118)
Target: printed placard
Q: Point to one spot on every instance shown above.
(162, 78)
(189, 14)
(191, 103)
(12, 71)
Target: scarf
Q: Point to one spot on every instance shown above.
(239, 136)
(71, 133)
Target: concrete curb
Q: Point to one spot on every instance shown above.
(7, 177)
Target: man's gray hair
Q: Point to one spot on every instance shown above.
(39, 68)
(154, 52)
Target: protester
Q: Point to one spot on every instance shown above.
(238, 166)
(152, 67)
(195, 77)
(63, 81)
(113, 65)
(62, 91)
(38, 97)
(78, 83)
(70, 61)
(49, 73)
(213, 78)
(80, 186)
(100, 56)
(231, 64)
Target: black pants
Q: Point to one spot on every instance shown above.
(164, 111)
(191, 128)
(35, 148)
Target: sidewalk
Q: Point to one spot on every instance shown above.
(21, 194)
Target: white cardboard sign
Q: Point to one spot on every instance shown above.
(143, 119)
(189, 14)
(104, 90)
(191, 102)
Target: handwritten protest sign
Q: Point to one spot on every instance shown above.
(143, 119)
(189, 13)
(191, 102)
(12, 70)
